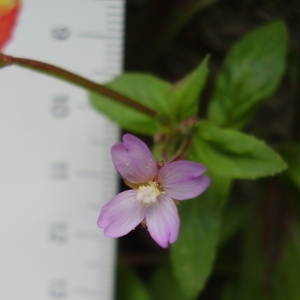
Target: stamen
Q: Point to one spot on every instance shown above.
(148, 193)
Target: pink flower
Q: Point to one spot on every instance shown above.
(154, 189)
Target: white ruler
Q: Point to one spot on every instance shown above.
(55, 165)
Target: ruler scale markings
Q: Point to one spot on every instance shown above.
(98, 36)
(58, 44)
(114, 15)
(87, 235)
(114, 22)
(113, 64)
(95, 175)
(115, 30)
(103, 73)
(87, 293)
(115, 54)
(113, 25)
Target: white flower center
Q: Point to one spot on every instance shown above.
(148, 193)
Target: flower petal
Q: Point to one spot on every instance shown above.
(134, 160)
(163, 221)
(183, 179)
(121, 214)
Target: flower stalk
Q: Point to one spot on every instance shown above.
(6, 60)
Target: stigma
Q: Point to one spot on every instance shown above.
(148, 193)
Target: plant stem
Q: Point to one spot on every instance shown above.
(6, 60)
(182, 152)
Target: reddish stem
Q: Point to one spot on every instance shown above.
(6, 60)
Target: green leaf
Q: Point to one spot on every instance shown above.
(194, 252)
(234, 154)
(130, 287)
(184, 95)
(163, 285)
(176, 102)
(145, 89)
(251, 73)
(291, 154)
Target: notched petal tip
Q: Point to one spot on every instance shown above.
(183, 180)
(121, 214)
(134, 160)
(163, 221)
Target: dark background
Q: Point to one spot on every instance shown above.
(169, 38)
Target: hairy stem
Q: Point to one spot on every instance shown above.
(6, 60)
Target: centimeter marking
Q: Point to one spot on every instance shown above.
(63, 171)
